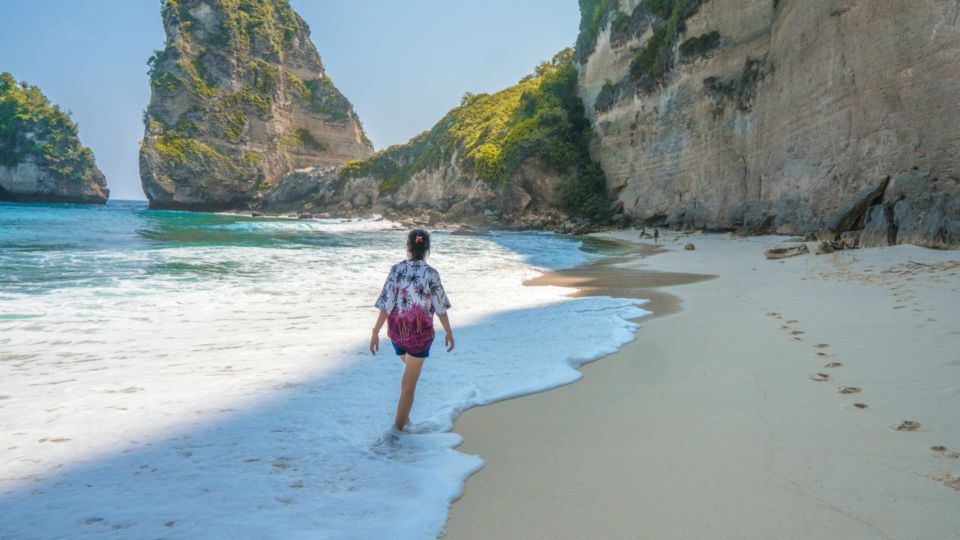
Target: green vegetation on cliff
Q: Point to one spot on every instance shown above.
(490, 135)
(592, 15)
(739, 88)
(33, 128)
(246, 47)
(181, 149)
(656, 57)
(655, 60)
(302, 138)
(700, 45)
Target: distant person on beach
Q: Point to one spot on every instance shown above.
(410, 296)
(656, 236)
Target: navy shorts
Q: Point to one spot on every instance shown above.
(401, 352)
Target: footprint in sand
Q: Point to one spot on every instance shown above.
(949, 480)
(820, 377)
(833, 365)
(791, 321)
(821, 353)
(797, 333)
(861, 405)
(849, 390)
(822, 345)
(943, 451)
(908, 425)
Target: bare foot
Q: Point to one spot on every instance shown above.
(949, 480)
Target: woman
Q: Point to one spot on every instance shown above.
(411, 295)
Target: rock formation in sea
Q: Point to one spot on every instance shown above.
(41, 158)
(789, 116)
(517, 157)
(239, 97)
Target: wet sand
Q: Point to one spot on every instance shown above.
(616, 275)
(813, 397)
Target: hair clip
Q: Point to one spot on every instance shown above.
(419, 239)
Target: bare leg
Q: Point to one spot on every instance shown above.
(408, 386)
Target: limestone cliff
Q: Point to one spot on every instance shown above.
(239, 98)
(41, 158)
(517, 157)
(792, 116)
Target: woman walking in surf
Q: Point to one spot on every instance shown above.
(411, 295)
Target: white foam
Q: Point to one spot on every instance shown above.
(235, 396)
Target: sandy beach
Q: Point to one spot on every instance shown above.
(813, 397)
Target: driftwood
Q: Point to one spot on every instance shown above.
(787, 251)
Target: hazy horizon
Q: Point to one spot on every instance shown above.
(402, 65)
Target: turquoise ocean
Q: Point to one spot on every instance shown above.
(184, 375)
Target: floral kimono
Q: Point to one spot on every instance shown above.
(411, 295)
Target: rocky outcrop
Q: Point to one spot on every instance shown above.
(514, 158)
(787, 116)
(444, 194)
(239, 98)
(41, 158)
(914, 211)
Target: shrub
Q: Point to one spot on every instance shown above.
(251, 158)
(739, 88)
(179, 149)
(592, 14)
(304, 139)
(655, 60)
(607, 97)
(324, 98)
(700, 45)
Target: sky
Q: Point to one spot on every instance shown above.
(403, 64)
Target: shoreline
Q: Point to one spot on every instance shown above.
(739, 416)
(614, 276)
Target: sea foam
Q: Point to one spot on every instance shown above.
(189, 388)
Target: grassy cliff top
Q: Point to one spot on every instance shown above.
(492, 134)
(33, 128)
